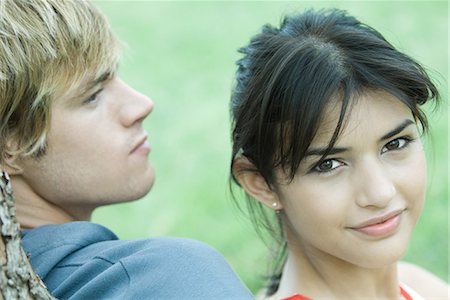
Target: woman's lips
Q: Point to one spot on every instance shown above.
(380, 227)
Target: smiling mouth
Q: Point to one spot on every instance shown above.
(381, 227)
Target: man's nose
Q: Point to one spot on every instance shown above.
(136, 106)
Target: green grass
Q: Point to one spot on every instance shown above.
(182, 55)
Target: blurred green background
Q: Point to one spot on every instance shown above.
(182, 55)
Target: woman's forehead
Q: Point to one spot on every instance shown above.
(367, 113)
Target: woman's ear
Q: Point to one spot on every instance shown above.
(254, 183)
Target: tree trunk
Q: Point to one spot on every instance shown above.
(17, 279)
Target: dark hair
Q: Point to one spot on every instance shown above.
(287, 77)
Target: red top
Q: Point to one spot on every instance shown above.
(296, 297)
(300, 297)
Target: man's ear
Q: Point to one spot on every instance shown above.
(254, 183)
(10, 160)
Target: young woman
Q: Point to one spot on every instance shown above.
(326, 133)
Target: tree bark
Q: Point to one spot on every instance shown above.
(17, 278)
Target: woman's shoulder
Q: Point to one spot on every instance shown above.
(423, 282)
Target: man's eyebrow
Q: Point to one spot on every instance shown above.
(397, 129)
(89, 86)
(102, 78)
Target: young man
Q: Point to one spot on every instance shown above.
(72, 140)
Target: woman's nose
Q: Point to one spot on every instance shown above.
(375, 185)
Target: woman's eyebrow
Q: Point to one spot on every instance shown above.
(337, 150)
(323, 151)
(397, 129)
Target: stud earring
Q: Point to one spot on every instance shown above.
(275, 207)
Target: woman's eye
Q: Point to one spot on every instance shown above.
(327, 165)
(396, 144)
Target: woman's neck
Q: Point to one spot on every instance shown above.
(332, 278)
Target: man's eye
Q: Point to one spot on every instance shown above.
(93, 98)
(327, 165)
(396, 144)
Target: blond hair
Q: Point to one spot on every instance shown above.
(47, 48)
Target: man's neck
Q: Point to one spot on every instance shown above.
(33, 211)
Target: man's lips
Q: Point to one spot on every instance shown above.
(380, 226)
(141, 145)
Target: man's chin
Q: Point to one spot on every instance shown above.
(141, 189)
